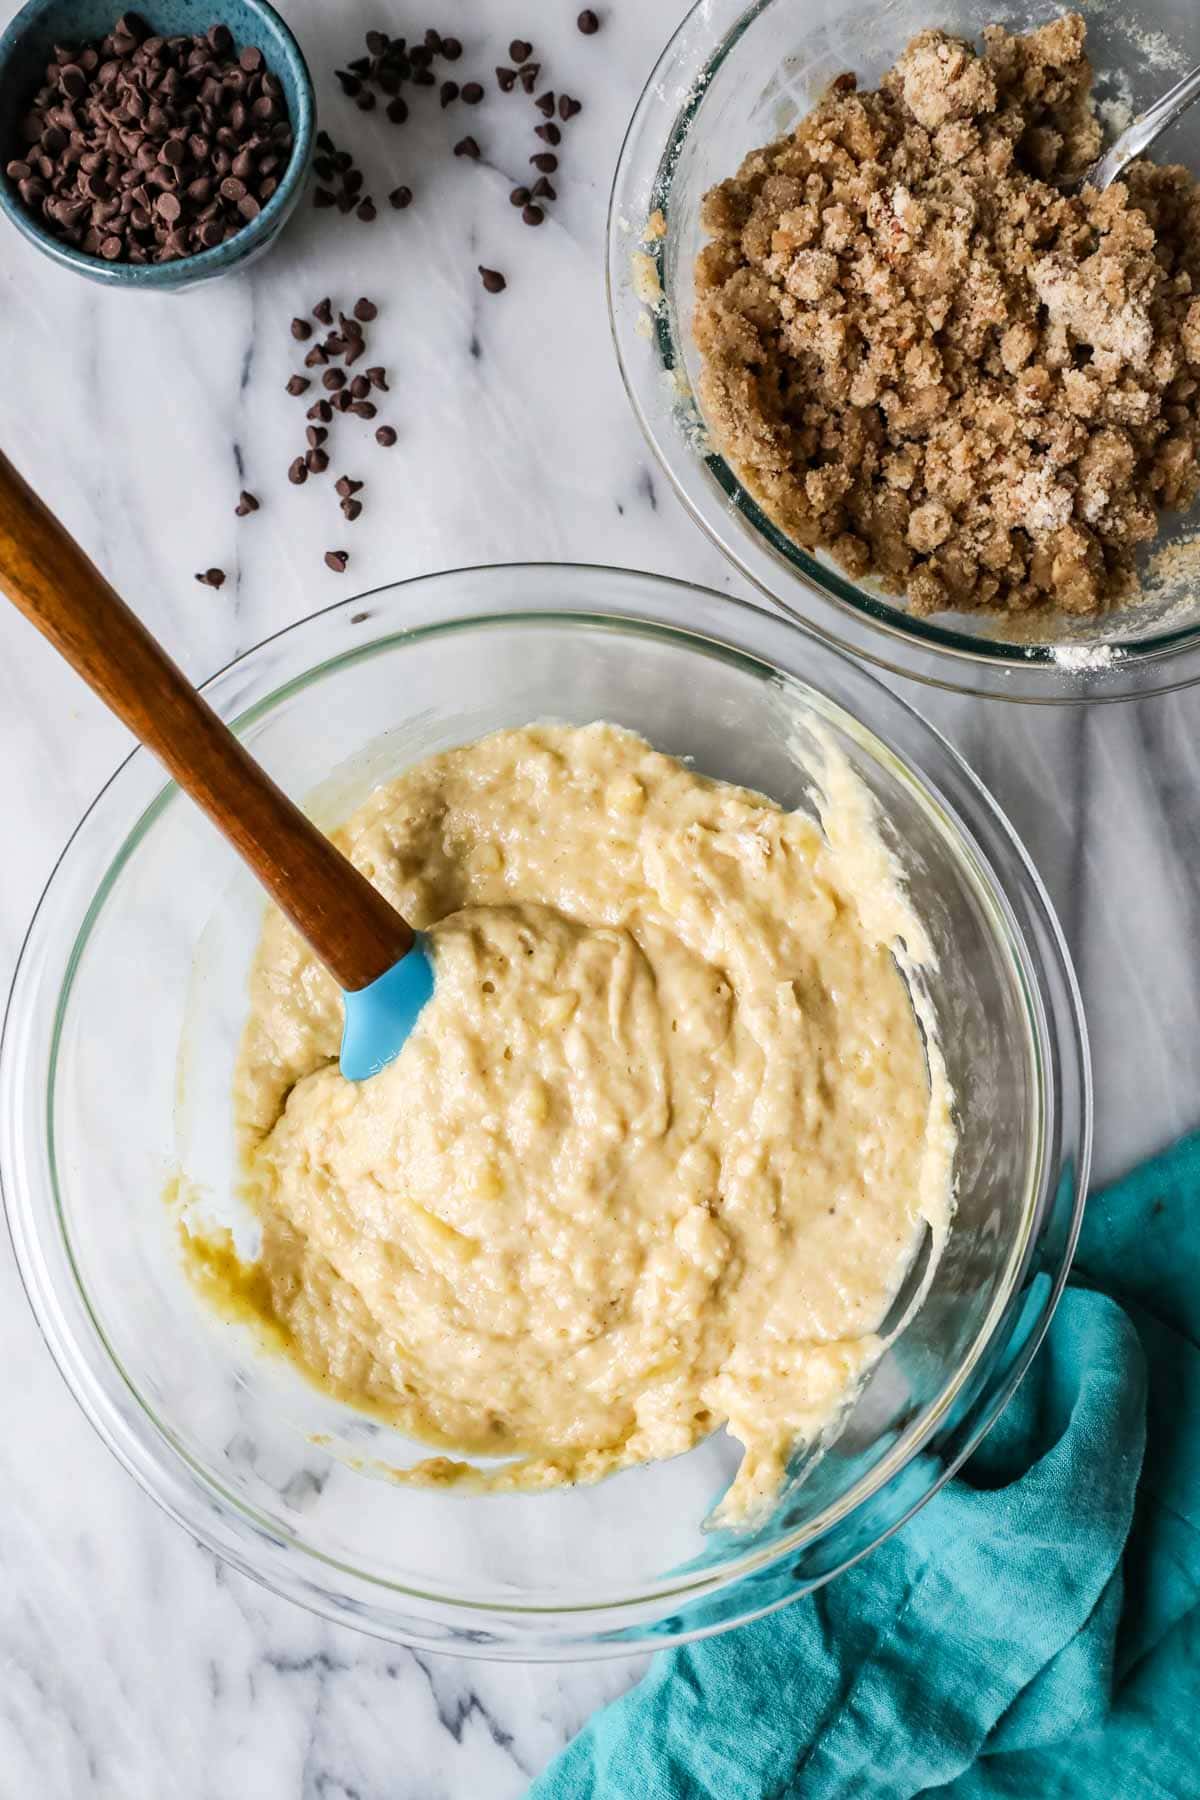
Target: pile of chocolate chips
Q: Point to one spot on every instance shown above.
(142, 149)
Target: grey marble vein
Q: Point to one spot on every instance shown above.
(133, 1666)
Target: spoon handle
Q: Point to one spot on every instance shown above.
(351, 927)
(1137, 138)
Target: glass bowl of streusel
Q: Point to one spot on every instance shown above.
(930, 393)
(682, 1116)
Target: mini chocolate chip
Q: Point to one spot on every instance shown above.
(386, 435)
(213, 578)
(492, 280)
(588, 22)
(298, 384)
(397, 111)
(448, 93)
(545, 103)
(346, 485)
(533, 215)
(366, 212)
(546, 161)
(322, 312)
(320, 409)
(519, 197)
(352, 509)
(400, 198)
(567, 107)
(360, 387)
(301, 329)
(467, 147)
(520, 51)
(316, 460)
(472, 93)
(336, 560)
(506, 80)
(377, 377)
(549, 134)
(316, 357)
(334, 379)
(451, 49)
(365, 310)
(246, 504)
(542, 189)
(298, 472)
(363, 409)
(528, 76)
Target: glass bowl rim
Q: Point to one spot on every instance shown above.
(16, 1179)
(851, 618)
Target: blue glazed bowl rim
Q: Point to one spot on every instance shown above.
(184, 269)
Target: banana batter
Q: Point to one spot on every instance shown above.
(659, 1151)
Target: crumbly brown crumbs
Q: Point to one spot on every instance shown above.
(923, 353)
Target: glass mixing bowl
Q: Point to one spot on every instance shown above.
(735, 77)
(116, 1068)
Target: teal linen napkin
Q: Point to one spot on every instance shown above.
(1033, 1632)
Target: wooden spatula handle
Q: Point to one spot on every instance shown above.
(352, 928)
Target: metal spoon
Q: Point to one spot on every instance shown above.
(1137, 138)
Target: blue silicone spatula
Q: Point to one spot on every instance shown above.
(381, 964)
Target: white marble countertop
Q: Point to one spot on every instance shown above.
(131, 1665)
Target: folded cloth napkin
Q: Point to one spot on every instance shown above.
(1033, 1632)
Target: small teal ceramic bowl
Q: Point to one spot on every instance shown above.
(27, 45)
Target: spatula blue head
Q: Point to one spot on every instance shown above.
(380, 1017)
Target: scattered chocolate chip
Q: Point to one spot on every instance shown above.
(472, 93)
(542, 190)
(322, 312)
(341, 400)
(316, 356)
(506, 80)
(492, 280)
(377, 377)
(321, 410)
(397, 111)
(469, 148)
(298, 472)
(336, 560)
(400, 198)
(451, 49)
(448, 93)
(363, 409)
(316, 435)
(546, 161)
(519, 197)
(588, 22)
(567, 108)
(246, 504)
(333, 379)
(386, 435)
(346, 485)
(545, 103)
(298, 384)
(549, 134)
(365, 310)
(301, 329)
(520, 51)
(528, 76)
(213, 578)
(533, 215)
(352, 509)
(316, 460)
(366, 212)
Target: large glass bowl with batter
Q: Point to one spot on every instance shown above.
(116, 1071)
(736, 76)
